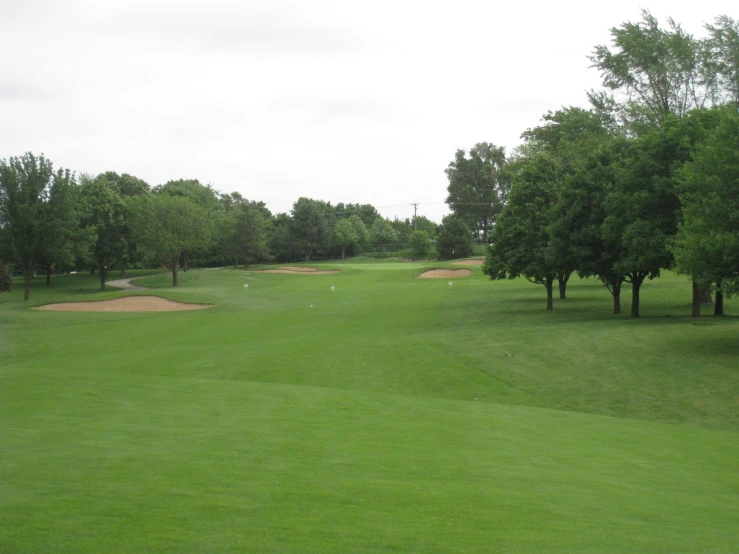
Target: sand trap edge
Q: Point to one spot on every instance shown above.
(126, 304)
(470, 262)
(444, 273)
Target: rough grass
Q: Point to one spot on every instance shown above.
(395, 415)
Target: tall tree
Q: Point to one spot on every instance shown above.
(478, 186)
(721, 59)
(658, 69)
(576, 228)
(345, 235)
(166, 226)
(707, 243)
(520, 242)
(643, 210)
(243, 234)
(31, 195)
(383, 233)
(312, 225)
(103, 213)
(202, 195)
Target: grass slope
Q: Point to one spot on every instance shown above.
(394, 415)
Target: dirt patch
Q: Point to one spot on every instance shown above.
(298, 270)
(127, 304)
(469, 262)
(445, 273)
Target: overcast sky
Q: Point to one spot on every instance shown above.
(343, 101)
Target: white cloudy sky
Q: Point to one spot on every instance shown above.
(353, 101)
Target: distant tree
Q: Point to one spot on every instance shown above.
(244, 233)
(421, 245)
(345, 235)
(166, 226)
(422, 223)
(363, 234)
(61, 239)
(402, 229)
(202, 195)
(103, 213)
(382, 233)
(366, 212)
(31, 195)
(280, 242)
(478, 186)
(127, 186)
(312, 225)
(455, 238)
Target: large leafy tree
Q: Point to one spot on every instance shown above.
(707, 243)
(243, 233)
(34, 212)
(167, 226)
(520, 242)
(566, 139)
(478, 186)
(576, 228)
(127, 186)
(643, 210)
(345, 235)
(312, 225)
(383, 233)
(657, 69)
(103, 214)
(455, 238)
(205, 197)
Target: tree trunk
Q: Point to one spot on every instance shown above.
(562, 279)
(175, 281)
(185, 262)
(123, 270)
(718, 307)
(307, 252)
(616, 288)
(696, 300)
(48, 275)
(343, 252)
(103, 274)
(635, 287)
(27, 276)
(705, 294)
(549, 285)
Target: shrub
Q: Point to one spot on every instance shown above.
(420, 245)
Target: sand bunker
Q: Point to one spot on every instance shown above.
(469, 262)
(127, 304)
(445, 273)
(298, 270)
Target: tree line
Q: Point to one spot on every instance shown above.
(644, 180)
(51, 221)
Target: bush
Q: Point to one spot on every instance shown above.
(5, 281)
(455, 238)
(420, 245)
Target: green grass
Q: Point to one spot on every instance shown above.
(394, 415)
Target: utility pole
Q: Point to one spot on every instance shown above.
(415, 209)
